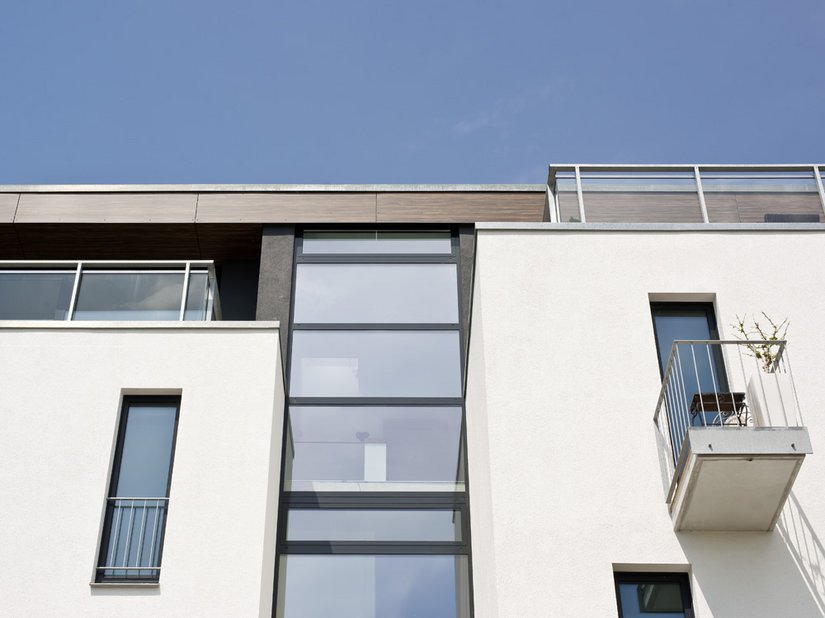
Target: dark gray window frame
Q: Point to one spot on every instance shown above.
(458, 501)
(682, 579)
(127, 402)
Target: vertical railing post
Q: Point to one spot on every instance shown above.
(701, 191)
(75, 287)
(819, 186)
(580, 193)
(185, 291)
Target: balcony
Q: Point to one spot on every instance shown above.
(686, 194)
(730, 432)
(119, 291)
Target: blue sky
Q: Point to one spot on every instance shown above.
(188, 91)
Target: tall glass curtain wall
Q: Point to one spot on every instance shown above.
(374, 506)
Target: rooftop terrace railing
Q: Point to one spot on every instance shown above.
(113, 290)
(723, 384)
(686, 193)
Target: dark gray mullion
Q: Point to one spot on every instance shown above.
(393, 326)
(425, 501)
(341, 402)
(374, 548)
(376, 258)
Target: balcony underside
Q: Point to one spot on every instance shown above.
(736, 479)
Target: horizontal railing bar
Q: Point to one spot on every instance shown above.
(128, 498)
(126, 568)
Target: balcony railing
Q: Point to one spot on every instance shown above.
(134, 537)
(731, 433)
(686, 194)
(725, 384)
(95, 290)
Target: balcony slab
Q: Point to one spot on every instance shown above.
(736, 479)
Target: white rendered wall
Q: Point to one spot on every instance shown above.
(563, 379)
(59, 405)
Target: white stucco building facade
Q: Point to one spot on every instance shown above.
(412, 400)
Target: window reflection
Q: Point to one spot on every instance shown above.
(376, 293)
(373, 525)
(129, 296)
(373, 586)
(35, 295)
(375, 364)
(405, 448)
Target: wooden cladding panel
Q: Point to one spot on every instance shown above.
(286, 208)
(8, 206)
(659, 207)
(568, 207)
(9, 246)
(721, 207)
(459, 207)
(102, 241)
(229, 241)
(752, 207)
(107, 208)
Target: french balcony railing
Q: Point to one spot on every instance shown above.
(731, 432)
(98, 290)
(132, 539)
(686, 193)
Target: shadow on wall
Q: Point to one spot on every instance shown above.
(805, 547)
(757, 574)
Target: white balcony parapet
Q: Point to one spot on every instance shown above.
(731, 430)
(109, 290)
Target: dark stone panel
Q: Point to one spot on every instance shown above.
(275, 277)
(466, 266)
(238, 285)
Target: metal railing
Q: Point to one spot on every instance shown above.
(686, 193)
(728, 384)
(84, 290)
(133, 540)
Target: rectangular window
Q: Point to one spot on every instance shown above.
(137, 504)
(376, 293)
(364, 524)
(653, 595)
(374, 448)
(377, 242)
(373, 586)
(375, 363)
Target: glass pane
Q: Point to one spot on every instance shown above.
(373, 586)
(35, 296)
(651, 600)
(147, 451)
(404, 448)
(377, 242)
(196, 297)
(129, 296)
(372, 525)
(375, 364)
(376, 293)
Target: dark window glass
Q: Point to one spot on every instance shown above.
(35, 295)
(373, 525)
(374, 448)
(138, 496)
(700, 368)
(314, 586)
(653, 595)
(377, 242)
(375, 364)
(376, 293)
(129, 296)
